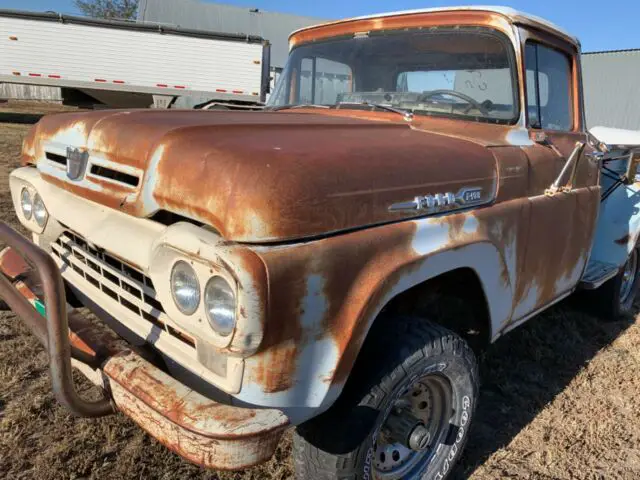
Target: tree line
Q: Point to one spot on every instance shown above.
(110, 9)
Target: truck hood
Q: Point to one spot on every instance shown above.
(256, 176)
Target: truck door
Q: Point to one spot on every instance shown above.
(561, 225)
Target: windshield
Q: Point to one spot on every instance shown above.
(466, 73)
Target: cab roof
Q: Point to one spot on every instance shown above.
(513, 15)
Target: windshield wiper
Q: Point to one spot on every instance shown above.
(408, 116)
(296, 105)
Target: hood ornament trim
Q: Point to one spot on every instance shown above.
(76, 163)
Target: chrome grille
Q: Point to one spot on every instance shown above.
(96, 170)
(123, 283)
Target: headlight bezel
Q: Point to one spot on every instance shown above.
(217, 281)
(185, 267)
(241, 268)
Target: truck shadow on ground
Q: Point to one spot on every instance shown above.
(525, 370)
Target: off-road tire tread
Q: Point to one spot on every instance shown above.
(414, 338)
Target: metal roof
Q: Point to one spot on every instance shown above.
(611, 88)
(514, 15)
(193, 14)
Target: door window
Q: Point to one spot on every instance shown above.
(549, 102)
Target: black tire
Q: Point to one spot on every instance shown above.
(339, 444)
(608, 299)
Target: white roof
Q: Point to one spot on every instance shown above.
(617, 136)
(514, 15)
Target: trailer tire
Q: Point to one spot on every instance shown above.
(414, 370)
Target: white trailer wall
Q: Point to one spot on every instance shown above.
(81, 53)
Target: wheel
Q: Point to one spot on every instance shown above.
(615, 298)
(404, 414)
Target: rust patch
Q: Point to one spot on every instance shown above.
(283, 332)
(252, 177)
(357, 271)
(277, 367)
(174, 401)
(390, 257)
(208, 452)
(411, 19)
(561, 226)
(12, 264)
(351, 266)
(207, 433)
(28, 154)
(356, 277)
(93, 337)
(394, 22)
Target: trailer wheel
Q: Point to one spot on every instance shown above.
(615, 298)
(405, 413)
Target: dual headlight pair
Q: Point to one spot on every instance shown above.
(219, 298)
(33, 207)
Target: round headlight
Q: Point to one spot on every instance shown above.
(185, 288)
(220, 306)
(26, 204)
(39, 211)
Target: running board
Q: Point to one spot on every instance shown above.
(598, 273)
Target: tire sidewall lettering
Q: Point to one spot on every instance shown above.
(456, 447)
(366, 475)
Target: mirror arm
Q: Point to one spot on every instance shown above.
(572, 162)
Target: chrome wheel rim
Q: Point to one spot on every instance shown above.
(429, 400)
(629, 277)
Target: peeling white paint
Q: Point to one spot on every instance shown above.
(314, 303)
(519, 137)
(619, 218)
(149, 183)
(529, 302)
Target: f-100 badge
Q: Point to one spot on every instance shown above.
(466, 197)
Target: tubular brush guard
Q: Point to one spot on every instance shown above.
(203, 431)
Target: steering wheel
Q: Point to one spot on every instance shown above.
(473, 103)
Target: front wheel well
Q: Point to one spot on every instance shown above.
(455, 300)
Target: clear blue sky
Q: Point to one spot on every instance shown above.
(600, 24)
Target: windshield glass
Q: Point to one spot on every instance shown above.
(465, 73)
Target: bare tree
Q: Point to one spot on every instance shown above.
(114, 9)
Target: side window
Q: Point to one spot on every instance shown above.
(549, 104)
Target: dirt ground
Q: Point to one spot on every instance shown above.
(560, 398)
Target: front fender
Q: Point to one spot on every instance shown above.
(325, 295)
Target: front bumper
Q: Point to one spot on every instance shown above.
(205, 432)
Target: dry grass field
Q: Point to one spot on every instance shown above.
(560, 398)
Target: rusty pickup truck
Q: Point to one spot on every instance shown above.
(224, 276)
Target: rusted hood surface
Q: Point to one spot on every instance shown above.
(260, 176)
